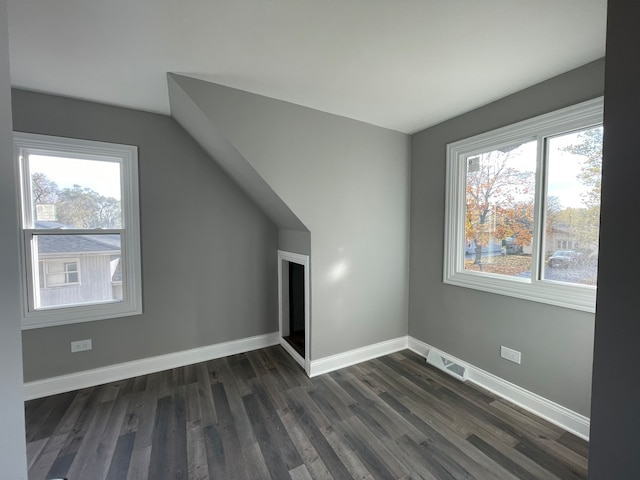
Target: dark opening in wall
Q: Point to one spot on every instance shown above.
(296, 308)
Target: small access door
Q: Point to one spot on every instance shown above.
(293, 288)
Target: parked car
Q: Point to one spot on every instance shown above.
(564, 258)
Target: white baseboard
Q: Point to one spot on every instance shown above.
(120, 371)
(345, 359)
(557, 414)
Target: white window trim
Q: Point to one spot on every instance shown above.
(579, 297)
(127, 155)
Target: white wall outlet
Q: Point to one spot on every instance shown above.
(510, 354)
(81, 345)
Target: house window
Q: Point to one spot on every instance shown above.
(60, 273)
(80, 230)
(523, 208)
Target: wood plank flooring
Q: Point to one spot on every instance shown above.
(257, 416)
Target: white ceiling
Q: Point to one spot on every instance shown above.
(401, 64)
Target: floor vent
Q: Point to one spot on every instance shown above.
(446, 365)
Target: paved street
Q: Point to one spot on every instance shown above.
(579, 274)
(576, 274)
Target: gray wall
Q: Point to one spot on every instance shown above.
(615, 422)
(556, 343)
(294, 241)
(188, 114)
(13, 460)
(347, 182)
(208, 253)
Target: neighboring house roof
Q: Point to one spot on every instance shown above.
(108, 243)
(77, 244)
(42, 224)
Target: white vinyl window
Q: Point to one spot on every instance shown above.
(523, 208)
(80, 230)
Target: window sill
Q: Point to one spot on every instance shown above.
(57, 316)
(576, 297)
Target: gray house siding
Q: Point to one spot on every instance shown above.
(94, 259)
(95, 284)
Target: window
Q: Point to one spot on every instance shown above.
(59, 273)
(80, 230)
(523, 208)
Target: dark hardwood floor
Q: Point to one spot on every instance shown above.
(257, 416)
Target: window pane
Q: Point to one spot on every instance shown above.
(75, 193)
(573, 207)
(500, 190)
(54, 279)
(55, 267)
(78, 269)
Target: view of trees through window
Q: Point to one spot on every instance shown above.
(572, 227)
(500, 192)
(500, 202)
(75, 206)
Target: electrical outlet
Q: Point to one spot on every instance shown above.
(510, 354)
(81, 345)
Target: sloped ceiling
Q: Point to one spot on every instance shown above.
(188, 111)
(401, 65)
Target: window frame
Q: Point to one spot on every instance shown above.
(26, 144)
(575, 296)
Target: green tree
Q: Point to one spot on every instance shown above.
(587, 221)
(44, 190)
(554, 210)
(109, 214)
(83, 207)
(77, 206)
